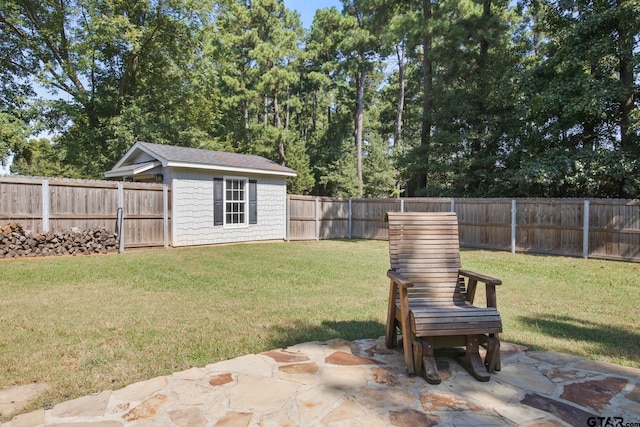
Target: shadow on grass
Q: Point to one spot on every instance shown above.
(299, 331)
(612, 341)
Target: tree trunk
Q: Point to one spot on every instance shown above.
(359, 124)
(287, 111)
(626, 77)
(625, 49)
(314, 108)
(281, 149)
(626, 42)
(276, 111)
(589, 132)
(245, 112)
(265, 119)
(476, 172)
(397, 134)
(481, 75)
(427, 99)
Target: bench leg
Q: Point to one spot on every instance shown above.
(418, 354)
(391, 339)
(472, 361)
(424, 356)
(492, 360)
(392, 323)
(407, 331)
(497, 365)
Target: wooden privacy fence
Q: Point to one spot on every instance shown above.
(141, 212)
(596, 228)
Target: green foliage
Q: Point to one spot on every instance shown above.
(337, 173)
(579, 137)
(41, 157)
(255, 48)
(109, 63)
(379, 176)
(13, 134)
(562, 172)
(471, 98)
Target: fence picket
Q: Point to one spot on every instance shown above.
(54, 204)
(597, 228)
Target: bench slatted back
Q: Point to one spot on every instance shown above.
(424, 247)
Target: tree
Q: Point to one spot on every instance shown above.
(326, 118)
(460, 98)
(427, 95)
(581, 92)
(13, 135)
(343, 59)
(39, 157)
(110, 62)
(359, 56)
(256, 51)
(477, 111)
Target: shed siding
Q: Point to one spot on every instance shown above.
(193, 211)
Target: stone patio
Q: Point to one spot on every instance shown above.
(360, 383)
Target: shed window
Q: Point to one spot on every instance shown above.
(235, 204)
(234, 201)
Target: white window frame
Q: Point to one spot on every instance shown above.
(245, 202)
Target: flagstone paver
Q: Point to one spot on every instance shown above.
(260, 394)
(33, 418)
(528, 377)
(88, 406)
(571, 414)
(146, 410)
(140, 391)
(344, 384)
(188, 417)
(594, 394)
(14, 399)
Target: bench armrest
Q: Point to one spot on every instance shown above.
(480, 277)
(490, 283)
(397, 277)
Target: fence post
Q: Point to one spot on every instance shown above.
(121, 209)
(287, 225)
(317, 219)
(350, 230)
(46, 205)
(165, 214)
(585, 230)
(453, 204)
(513, 226)
(401, 205)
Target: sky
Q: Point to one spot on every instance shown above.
(307, 8)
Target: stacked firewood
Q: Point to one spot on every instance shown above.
(16, 242)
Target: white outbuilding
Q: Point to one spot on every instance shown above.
(216, 197)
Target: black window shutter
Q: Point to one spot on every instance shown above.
(218, 202)
(253, 201)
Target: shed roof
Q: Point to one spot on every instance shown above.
(195, 158)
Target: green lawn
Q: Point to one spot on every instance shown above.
(86, 324)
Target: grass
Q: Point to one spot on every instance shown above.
(86, 324)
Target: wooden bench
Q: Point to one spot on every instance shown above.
(431, 298)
